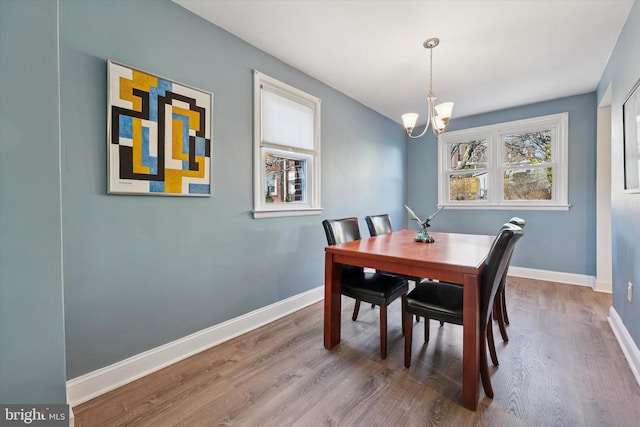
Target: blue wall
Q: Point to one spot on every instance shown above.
(143, 271)
(560, 241)
(32, 353)
(623, 71)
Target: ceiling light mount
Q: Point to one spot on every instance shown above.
(437, 115)
(431, 43)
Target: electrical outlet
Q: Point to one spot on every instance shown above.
(630, 292)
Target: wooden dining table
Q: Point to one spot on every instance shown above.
(453, 257)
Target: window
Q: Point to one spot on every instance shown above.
(286, 150)
(519, 164)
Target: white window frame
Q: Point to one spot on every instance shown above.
(311, 206)
(559, 126)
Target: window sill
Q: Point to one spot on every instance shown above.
(520, 207)
(280, 213)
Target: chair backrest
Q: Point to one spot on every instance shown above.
(378, 224)
(341, 230)
(520, 223)
(495, 267)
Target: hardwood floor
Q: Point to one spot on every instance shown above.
(562, 366)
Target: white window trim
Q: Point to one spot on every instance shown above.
(558, 123)
(260, 208)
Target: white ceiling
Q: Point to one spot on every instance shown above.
(493, 54)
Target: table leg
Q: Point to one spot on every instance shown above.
(471, 342)
(332, 301)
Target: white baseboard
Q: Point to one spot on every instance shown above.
(554, 276)
(98, 382)
(629, 348)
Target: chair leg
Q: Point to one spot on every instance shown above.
(417, 283)
(403, 303)
(503, 301)
(492, 344)
(498, 314)
(426, 329)
(383, 331)
(356, 309)
(408, 336)
(484, 367)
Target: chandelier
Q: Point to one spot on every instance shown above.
(437, 115)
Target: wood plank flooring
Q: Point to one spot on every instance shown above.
(561, 367)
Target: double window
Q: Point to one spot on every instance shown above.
(519, 164)
(286, 150)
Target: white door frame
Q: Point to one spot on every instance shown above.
(604, 280)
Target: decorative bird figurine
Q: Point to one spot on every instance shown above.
(423, 235)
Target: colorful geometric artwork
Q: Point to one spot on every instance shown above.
(159, 135)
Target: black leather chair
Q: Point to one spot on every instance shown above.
(378, 224)
(444, 301)
(376, 288)
(500, 308)
(381, 224)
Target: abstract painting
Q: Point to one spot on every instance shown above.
(159, 140)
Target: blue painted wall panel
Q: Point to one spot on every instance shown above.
(32, 352)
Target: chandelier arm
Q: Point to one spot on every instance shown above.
(430, 112)
(421, 134)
